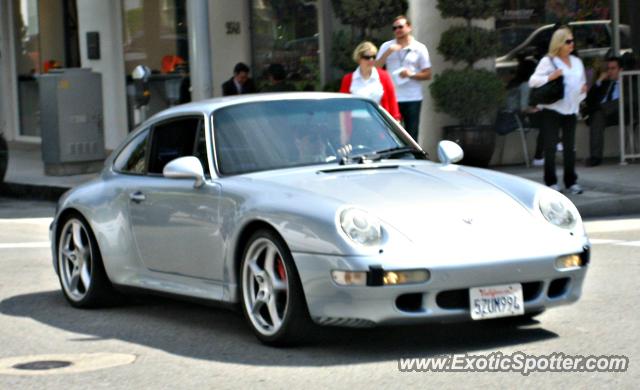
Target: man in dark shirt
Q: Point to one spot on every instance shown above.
(603, 108)
(240, 83)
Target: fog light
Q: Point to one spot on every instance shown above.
(349, 278)
(569, 262)
(405, 277)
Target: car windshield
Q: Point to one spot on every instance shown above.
(268, 135)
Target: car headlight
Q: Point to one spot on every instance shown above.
(361, 227)
(558, 210)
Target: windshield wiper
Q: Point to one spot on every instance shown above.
(380, 154)
(396, 151)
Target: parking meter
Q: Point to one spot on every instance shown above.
(141, 96)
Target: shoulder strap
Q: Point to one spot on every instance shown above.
(552, 63)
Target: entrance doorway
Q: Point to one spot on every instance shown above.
(45, 37)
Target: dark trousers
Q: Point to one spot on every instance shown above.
(535, 121)
(552, 122)
(410, 112)
(607, 114)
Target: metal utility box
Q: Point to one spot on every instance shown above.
(71, 121)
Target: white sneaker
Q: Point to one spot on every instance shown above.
(559, 147)
(555, 187)
(575, 189)
(538, 162)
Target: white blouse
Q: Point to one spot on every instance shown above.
(370, 88)
(574, 79)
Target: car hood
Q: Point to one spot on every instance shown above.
(425, 201)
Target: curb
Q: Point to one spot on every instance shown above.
(32, 192)
(614, 206)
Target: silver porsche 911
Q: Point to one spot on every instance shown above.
(311, 208)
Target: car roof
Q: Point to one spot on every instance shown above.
(210, 105)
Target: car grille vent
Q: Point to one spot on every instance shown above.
(358, 167)
(459, 299)
(411, 303)
(558, 287)
(348, 322)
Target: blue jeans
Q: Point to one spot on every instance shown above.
(410, 112)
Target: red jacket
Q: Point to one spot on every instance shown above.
(388, 100)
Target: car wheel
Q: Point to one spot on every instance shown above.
(81, 273)
(272, 297)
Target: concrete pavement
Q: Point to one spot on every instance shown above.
(610, 189)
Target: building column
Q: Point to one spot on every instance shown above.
(230, 35)
(8, 99)
(199, 49)
(105, 17)
(428, 25)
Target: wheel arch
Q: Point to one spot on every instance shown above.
(243, 239)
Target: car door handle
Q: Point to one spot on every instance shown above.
(137, 197)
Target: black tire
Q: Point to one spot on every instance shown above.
(100, 291)
(296, 325)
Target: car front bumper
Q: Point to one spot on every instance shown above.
(444, 297)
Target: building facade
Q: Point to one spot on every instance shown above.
(191, 47)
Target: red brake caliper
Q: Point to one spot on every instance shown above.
(281, 273)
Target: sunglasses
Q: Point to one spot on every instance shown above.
(368, 57)
(568, 42)
(394, 28)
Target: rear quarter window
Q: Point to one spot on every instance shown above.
(132, 159)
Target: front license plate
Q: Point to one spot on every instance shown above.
(496, 301)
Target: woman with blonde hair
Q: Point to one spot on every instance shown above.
(561, 114)
(369, 81)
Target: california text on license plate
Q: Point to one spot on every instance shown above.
(496, 301)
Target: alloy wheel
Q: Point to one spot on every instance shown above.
(265, 286)
(75, 259)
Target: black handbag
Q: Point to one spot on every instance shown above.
(548, 93)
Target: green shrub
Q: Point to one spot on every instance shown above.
(468, 44)
(470, 95)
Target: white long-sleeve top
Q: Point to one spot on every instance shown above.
(574, 79)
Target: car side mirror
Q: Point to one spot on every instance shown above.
(185, 168)
(449, 152)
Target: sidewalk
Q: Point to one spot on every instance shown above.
(610, 189)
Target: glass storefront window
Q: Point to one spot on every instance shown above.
(525, 28)
(285, 32)
(45, 38)
(27, 50)
(155, 35)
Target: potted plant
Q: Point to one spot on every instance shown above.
(362, 20)
(471, 95)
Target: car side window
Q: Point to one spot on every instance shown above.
(170, 140)
(541, 42)
(133, 157)
(591, 36)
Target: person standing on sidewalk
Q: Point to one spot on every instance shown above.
(563, 113)
(407, 60)
(369, 81)
(240, 83)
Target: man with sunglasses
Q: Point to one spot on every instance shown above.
(407, 60)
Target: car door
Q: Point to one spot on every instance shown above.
(176, 226)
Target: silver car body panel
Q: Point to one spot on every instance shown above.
(467, 226)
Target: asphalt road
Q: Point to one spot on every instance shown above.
(161, 343)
